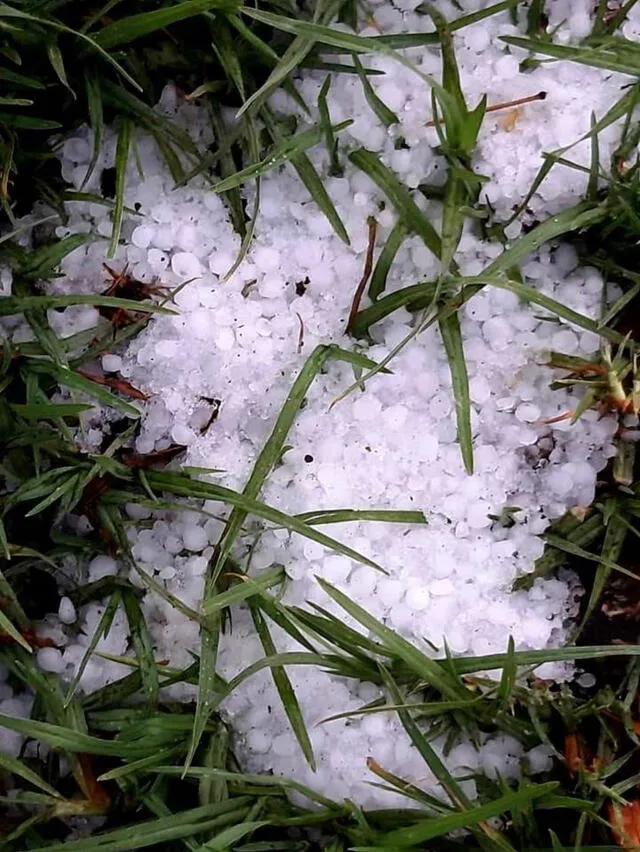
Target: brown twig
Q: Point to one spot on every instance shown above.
(300, 334)
(121, 385)
(503, 105)
(368, 265)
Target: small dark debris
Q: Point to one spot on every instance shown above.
(301, 286)
(308, 458)
(108, 183)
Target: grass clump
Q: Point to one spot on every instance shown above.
(162, 775)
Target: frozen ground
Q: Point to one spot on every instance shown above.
(392, 446)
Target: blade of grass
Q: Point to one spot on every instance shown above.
(384, 115)
(125, 133)
(614, 539)
(21, 770)
(385, 259)
(284, 687)
(142, 646)
(281, 153)
(298, 50)
(408, 211)
(398, 646)
(452, 339)
(248, 587)
(309, 177)
(101, 631)
(132, 27)
(339, 516)
(439, 826)
(93, 95)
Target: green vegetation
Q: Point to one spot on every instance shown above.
(163, 775)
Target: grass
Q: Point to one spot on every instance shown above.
(163, 775)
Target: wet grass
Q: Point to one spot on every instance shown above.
(162, 775)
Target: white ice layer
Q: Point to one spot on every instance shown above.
(392, 446)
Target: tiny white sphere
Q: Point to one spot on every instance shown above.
(66, 611)
(142, 236)
(102, 566)
(185, 265)
(195, 538)
(111, 363)
(50, 660)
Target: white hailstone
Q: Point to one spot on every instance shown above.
(587, 680)
(66, 611)
(50, 660)
(102, 566)
(477, 38)
(366, 407)
(266, 258)
(142, 236)
(111, 363)
(186, 265)
(181, 434)
(418, 597)
(441, 588)
(195, 538)
(527, 412)
(271, 286)
(77, 150)
(224, 338)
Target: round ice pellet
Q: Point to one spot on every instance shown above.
(142, 236)
(111, 363)
(526, 412)
(102, 566)
(66, 611)
(195, 538)
(185, 265)
(50, 660)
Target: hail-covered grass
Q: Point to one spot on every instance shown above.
(125, 767)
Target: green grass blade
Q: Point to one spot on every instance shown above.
(428, 829)
(571, 653)
(272, 450)
(334, 38)
(414, 297)
(21, 770)
(68, 378)
(610, 60)
(7, 627)
(159, 832)
(452, 339)
(142, 646)
(614, 539)
(309, 178)
(280, 154)
(184, 486)
(424, 667)
(246, 588)
(408, 211)
(424, 748)
(48, 410)
(385, 259)
(284, 687)
(93, 94)
(384, 115)
(132, 27)
(335, 168)
(11, 305)
(125, 133)
(340, 516)
(227, 838)
(101, 631)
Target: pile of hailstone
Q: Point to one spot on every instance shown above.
(391, 446)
